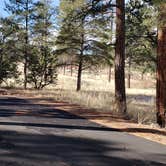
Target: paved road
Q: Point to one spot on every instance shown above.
(32, 134)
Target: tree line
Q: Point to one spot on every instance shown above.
(26, 39)
(41, 37)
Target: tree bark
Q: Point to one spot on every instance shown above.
(26, 46)
(110, 61)
(64, 70)
(142, 75)
(129, 74)
(120, 94)
(71, 70)
(161, 78)
(129, 80)
(79, 75)
(80, 65)
(109, 73)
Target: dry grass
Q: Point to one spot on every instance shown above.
(98, 93)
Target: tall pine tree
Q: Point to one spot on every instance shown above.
(21, 11)
(42, 62)
(82, 35)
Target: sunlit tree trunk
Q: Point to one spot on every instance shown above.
(120, 94)
(161, 66)
(161, 77)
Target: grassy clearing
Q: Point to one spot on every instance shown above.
(97, 93)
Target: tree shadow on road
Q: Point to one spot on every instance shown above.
(14, 106)
(57, 150)
(60, 149)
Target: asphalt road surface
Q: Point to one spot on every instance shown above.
(34, 134)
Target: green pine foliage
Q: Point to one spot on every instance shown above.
(83, 37)
(141, 35)
(8, 60)
(42, 62)
(27, 38)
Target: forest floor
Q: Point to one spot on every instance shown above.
(37, 131)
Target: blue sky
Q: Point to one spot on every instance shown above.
(2, 5)
(1, 8)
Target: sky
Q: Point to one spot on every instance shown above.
(2, 5)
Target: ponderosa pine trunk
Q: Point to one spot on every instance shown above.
(142, 75)
(109, 73)
(161, 77)
(120, 94)
(71, 70)
(129, 80)
(64, 70)
(26, 46)
(129, 74)
(80, 64)
(79, 75)
(110, 63)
